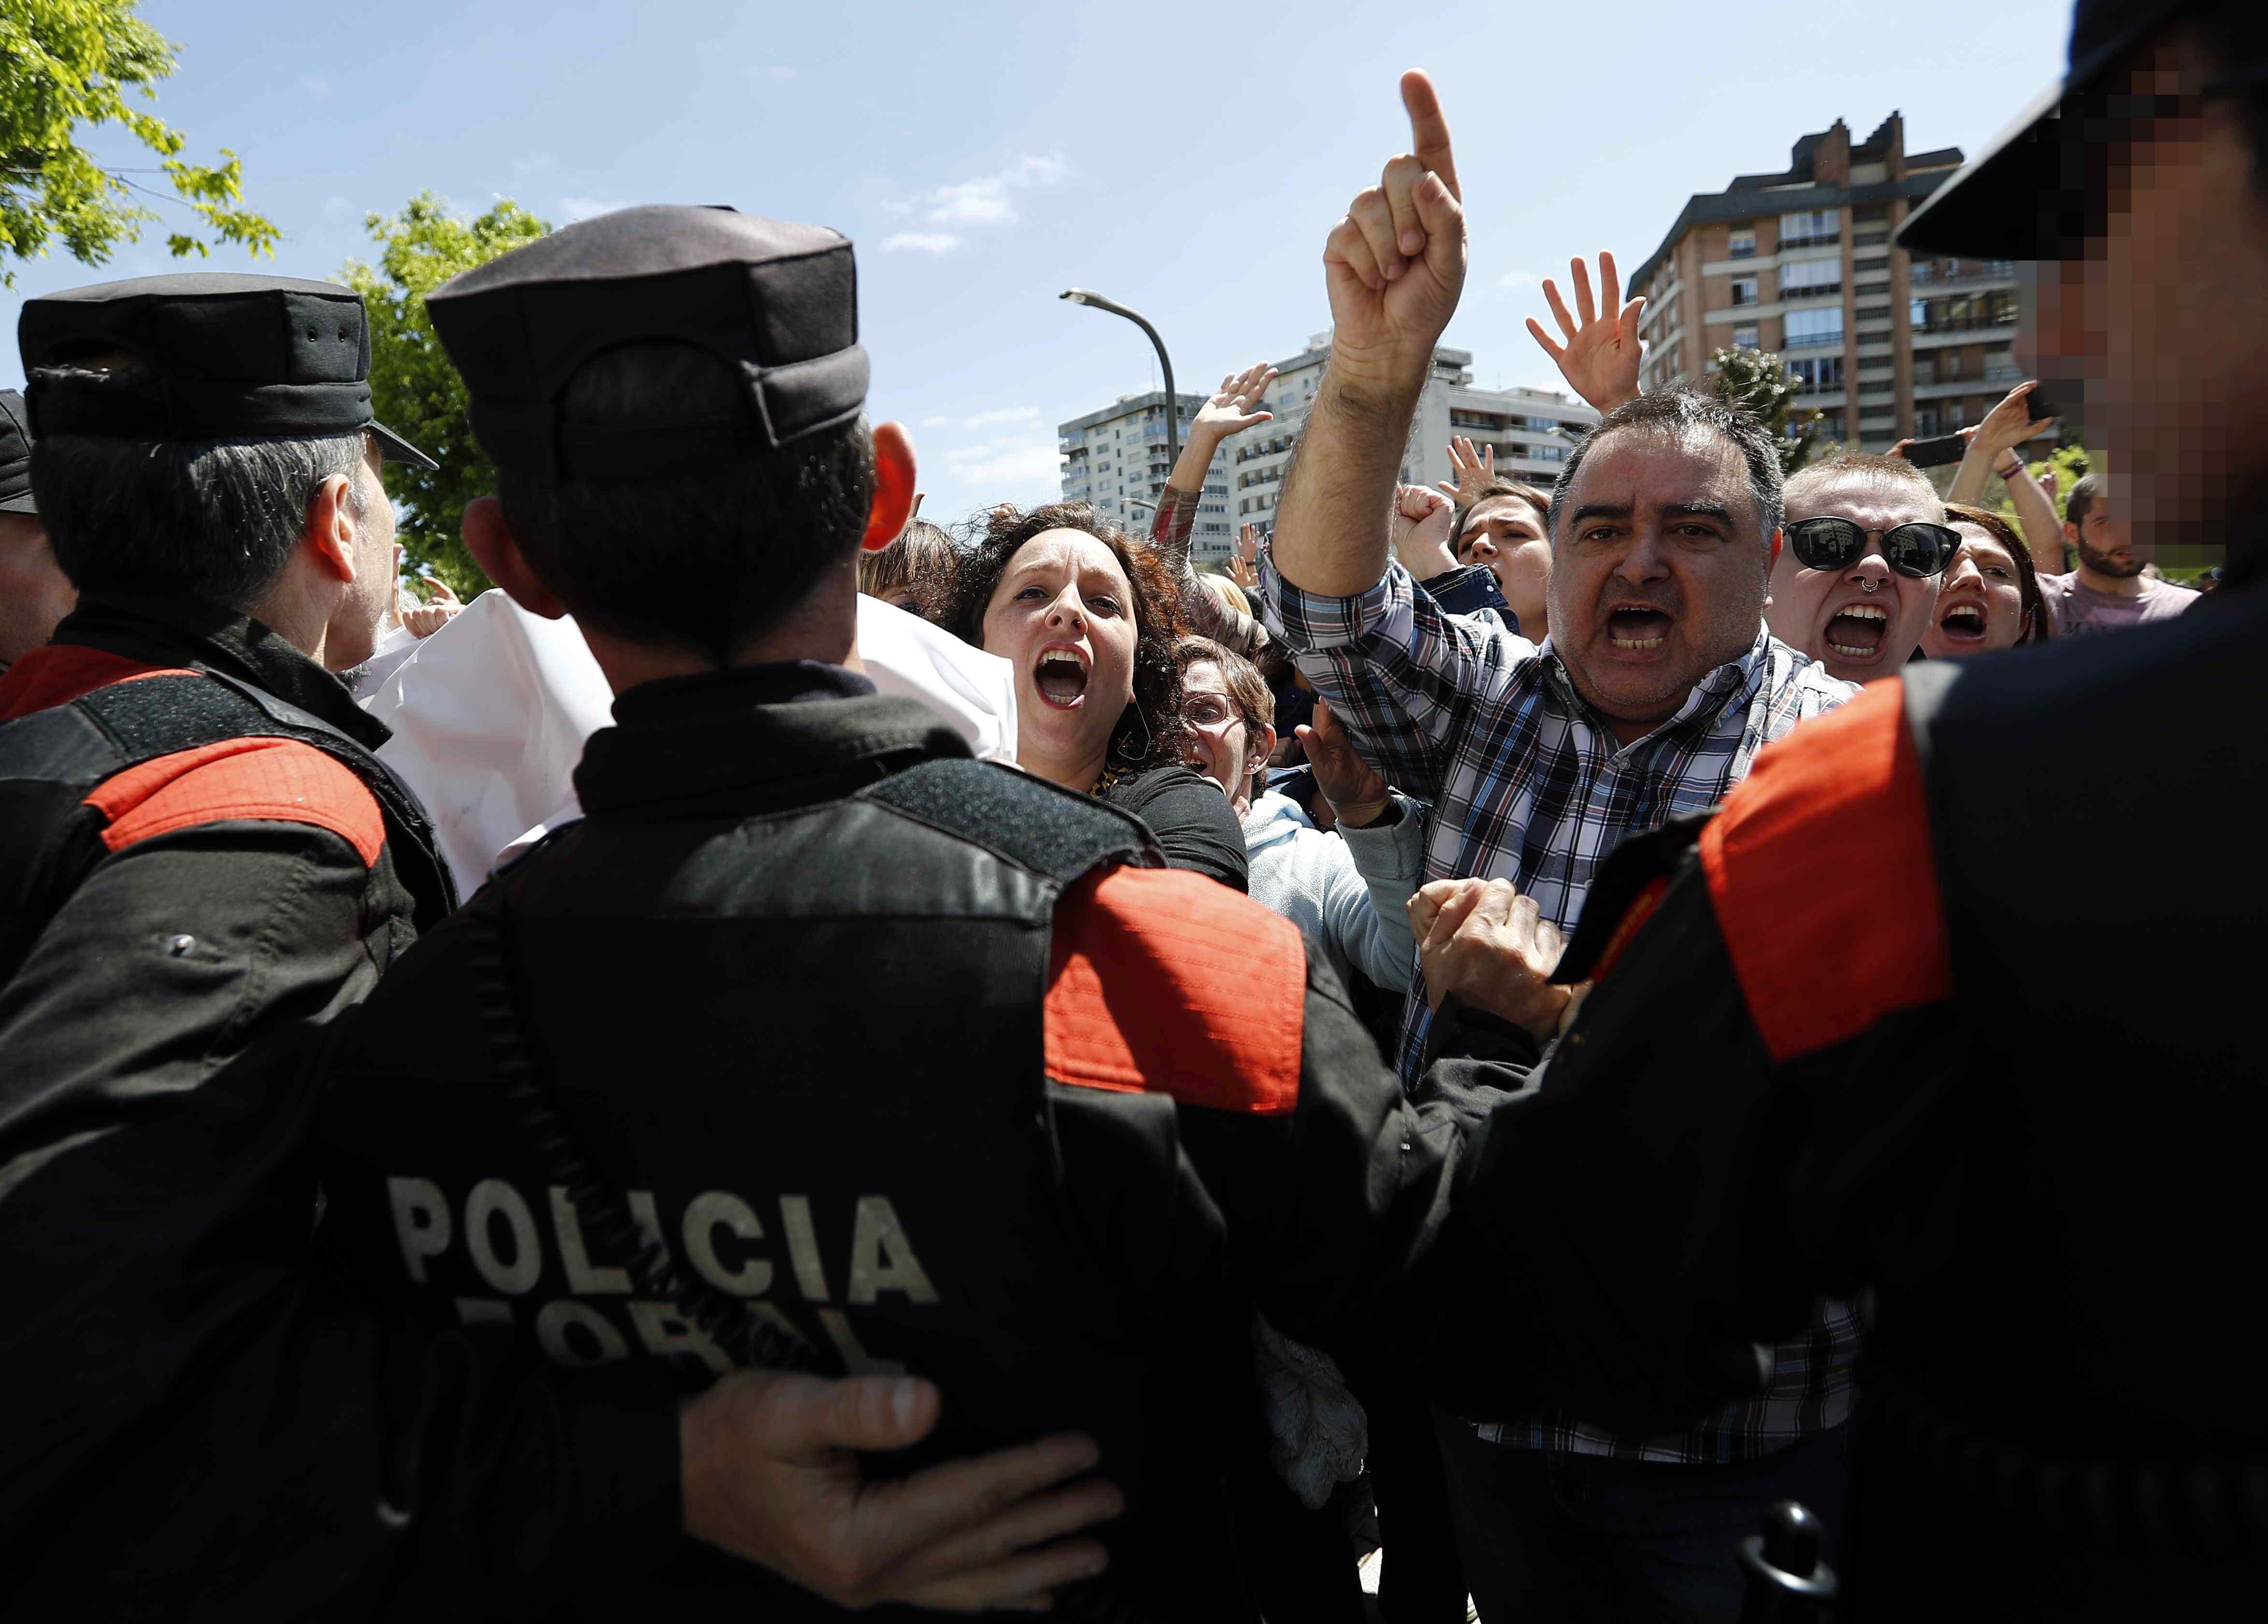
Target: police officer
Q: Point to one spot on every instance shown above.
(35, 594)
(202, 863)
(816, 1041)
(1846, 1033)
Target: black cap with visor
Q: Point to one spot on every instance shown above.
(206, 355)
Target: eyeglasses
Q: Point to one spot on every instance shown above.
(1920, 551)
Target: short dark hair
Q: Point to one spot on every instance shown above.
(919, 561)
(1540, 501)
(207, 520)
(1678, 410)
(1159, 623)
(2082, 498)
(2037, 629)
(1868, 465)
(706, 560)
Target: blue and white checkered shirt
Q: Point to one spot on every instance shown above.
(1530, 785)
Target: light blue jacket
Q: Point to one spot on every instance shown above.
(1346, 891)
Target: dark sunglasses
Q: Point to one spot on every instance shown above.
(1920, 551)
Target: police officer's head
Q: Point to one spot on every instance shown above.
(2141, 187)
(207, 439)
(672, 397)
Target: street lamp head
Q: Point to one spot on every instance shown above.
(1077, 296)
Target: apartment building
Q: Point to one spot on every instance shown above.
(1116, 459)
(1885, 344)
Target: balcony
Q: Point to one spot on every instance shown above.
(1786, 243)
(1820, 341)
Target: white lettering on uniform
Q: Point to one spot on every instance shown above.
(421, 1222)
(882, 1258)
(491, 1197)
(666, 1331)
(803, 1247)
(558, 1317)
(582, 1278)
(704, 1215)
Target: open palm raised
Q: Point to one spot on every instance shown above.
(1396, 264)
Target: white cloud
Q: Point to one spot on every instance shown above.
(319, 88)
(935, 422)
(985, 200)
(584, 208)
(1516, 279)
(1031, 459)
(922, 242)
(1005, 414)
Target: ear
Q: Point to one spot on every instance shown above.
(330, 536)
(1772, 555)
(492, 545)
(2070, 532)
(1265, 740)
(893, 486)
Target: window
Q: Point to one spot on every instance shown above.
(1831, 425)
(1821, 373)
(1796, 231)
(1809, 278)
(1744, 290)
(1742, 245)
(1815, 327)
(1744, 337)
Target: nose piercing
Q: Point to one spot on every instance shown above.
(1869, 585)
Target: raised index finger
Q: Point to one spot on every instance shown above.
(1429, 131)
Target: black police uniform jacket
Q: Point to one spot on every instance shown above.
(1956, 997)
(890, 1060)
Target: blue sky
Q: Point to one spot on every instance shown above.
(1186, 159)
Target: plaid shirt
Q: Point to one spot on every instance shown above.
(1529, 784)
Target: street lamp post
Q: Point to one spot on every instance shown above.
(1081, 296)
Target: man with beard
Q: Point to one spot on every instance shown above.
(1647, 701)
(2108, 591)
(1866, 547)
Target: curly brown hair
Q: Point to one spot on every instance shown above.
(1155, 715)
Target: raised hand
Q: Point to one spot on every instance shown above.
(1235, 406)
(438, 591)
(2010, 423)
(1422, 521)
(1473, 472)
(1350, 784)
(1601, 357)
(1396, 265)
(1244, 568)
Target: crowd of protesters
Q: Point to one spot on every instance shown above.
(793, 1057)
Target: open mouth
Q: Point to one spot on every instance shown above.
(1637, 630)
(1856, 631)
(1060, 676)
(1962, 622)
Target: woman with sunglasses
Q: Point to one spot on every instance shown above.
(1991, 598)
(1856, 585)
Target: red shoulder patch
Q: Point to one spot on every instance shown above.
(58, 673)
(1824, 878)
(1164, 982)
(275, 780)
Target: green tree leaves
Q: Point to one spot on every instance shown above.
(414, 389)
(69, 64)
(1757, 381)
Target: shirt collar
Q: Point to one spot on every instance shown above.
(174, 631)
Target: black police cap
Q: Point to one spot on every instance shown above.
(2025, 195)
(776, 302)
(15, 455)
(215, 355)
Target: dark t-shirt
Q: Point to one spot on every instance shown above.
(1191, 818)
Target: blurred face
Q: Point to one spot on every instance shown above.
(1063, 614)
(1656, 573)
(1981, 606)
(34, 592)
(1222, 747)
(1507, 536)
(2160, 321)
(1866, 621)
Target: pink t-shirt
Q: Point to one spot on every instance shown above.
(2074, 609)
